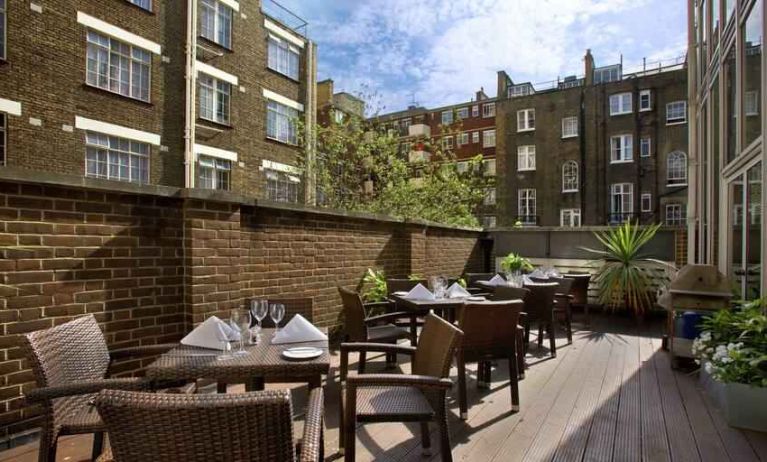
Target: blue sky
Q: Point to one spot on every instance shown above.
(441, 51)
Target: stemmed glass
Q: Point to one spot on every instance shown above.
(241, 321)
(224, 339)
(277, 312)
(258, 310)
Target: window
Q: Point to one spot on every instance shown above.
(214, 173)
(489, 197)
(463, 138)
(525, 158)
(646, 202)
(752, 36)
(215, 99)
(488, 139)
(338, 116)
(283, 57)
(281, 122)
(676, 169)
(447, 117)
(620, 104)
(526, 206)
(621, 202)
(570, 218)
(607, 74)
(475, 137)
(145, 4)
(645, 147)
(3, 137)
(116, 158)
(475, 111)
(751, 103)
(462, 113)
(488, 110)
(676, 112)
(216, 22)
(676, 214)
(645, 100)
(488, 167)
(523, 89)
(621, 148)
(282, 186)
(569, 127)
(117, 67)
(462, 167)
(525, 120)
(570, 176)
(447, 142)
(3, 27)
(488, 221)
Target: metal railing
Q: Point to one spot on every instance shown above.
(283, 15)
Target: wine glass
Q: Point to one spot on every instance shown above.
(239, 321)
(224, 340)
(277, 312)
(259, 309)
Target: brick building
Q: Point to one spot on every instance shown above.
(465, 129)
(336, 106)
(601, 149)
(196, 93)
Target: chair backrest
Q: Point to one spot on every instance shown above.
(510, 293)
(163, 427)
(71, 352)
(565, 285)
(436, 346)
(397, 284)
(539, 304)
(580, 288)
(293, 306)
(472, 278)
(354, 315)
(490, 326)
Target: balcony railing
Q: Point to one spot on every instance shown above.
(283, 15)
(419, 130)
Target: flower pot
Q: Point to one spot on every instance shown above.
(743, 406)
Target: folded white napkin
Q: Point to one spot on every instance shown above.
(299, 330)
(209, 334)
(497, 280)
(419, 292)
(539, 273)
(456, 291)
(526, 280)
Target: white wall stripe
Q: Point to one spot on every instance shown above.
(278, 30)
(10, 107)
(215, 152)
(283, 100)
(215, 72)
(106, 128)
(231, 4)
(118, 33)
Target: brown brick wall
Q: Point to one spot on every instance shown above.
(151, 262)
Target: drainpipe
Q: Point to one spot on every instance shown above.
(692, 148)
(310, 119)
(191, 92)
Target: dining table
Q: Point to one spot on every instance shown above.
(445, 307)
(262, 362)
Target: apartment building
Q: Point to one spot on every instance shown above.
(183, 93)
(727, 165)
(602, 148)
(465, 129)
(336, 106)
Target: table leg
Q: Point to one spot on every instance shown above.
(413, 330)
(315, 381)
(254, 384)
(221, 387)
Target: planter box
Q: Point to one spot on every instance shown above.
(743, 406)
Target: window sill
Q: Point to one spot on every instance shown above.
(286, 143)
(621, 161)
(525, 169)
(276, 72)
(216, 44)
(488, 116)
(645, 157)
(679, 122)
(569, 137)
(525, 130)
(675, 185)
(621, 113)
(215, 122)
(566, 191)
(646, 110)
(89, 87)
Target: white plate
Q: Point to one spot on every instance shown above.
(302, 353)
(476, 299)
(400, 292)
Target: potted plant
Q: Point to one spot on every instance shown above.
(625, 275)
(732, 351)
(514, 264)
(376, 287)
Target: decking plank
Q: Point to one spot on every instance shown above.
(655, 445)
(628, 446)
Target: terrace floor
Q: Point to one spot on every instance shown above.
(611, 395)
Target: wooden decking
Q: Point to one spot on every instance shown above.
(611, 395)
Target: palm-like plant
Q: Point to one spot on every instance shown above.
(625, 275)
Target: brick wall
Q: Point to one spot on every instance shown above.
(151, 262)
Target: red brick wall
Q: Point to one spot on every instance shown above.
(149, 266)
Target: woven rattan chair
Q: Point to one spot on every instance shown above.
(489, 333)
(516, 293)
(71, 363)
(539, 307)
(419, 397)
(472, 278)
(254, 426)
(562, 304)
(376, 329)
(580, 290)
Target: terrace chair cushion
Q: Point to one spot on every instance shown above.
(388, 403)
(387, 332)
(82, 416)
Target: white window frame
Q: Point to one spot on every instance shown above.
(526, 120)
(488, 167)
(623, 153)
(447, 117)
(488, 138)
(4, 25)
(488, 110)
(642, 106)
(219, 10)
(447, 142)
(645, 199)
(570, 176)
(114, 152)
(527, 203)
(283, 57)
(621, 104)
(284, 119)
(613, 73)
(751, 103)
(462, 139)
(678, 119)
(102, 51)
(570, 127)
(475, 110)
(490, 197)
(220, 171)
(216, 92)
(570, 218)
(645, 141)
(462, 166)
(624, 192)
(676, 175)
(526, 158)
(676, 219)
(282, 186)
(462, 113)
(475, 137)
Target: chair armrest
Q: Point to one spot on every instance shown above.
(311, 443)
(86, 387)
(381, 304)
(423, 382)
(146, 350)
(388, 317)
(377, 347)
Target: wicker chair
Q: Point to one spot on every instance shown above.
(516, 293)
(71, 363)
(362, 328)
(472, 278)
(419, 397)
(539, 307)
(489, 333)
(562, 304)
(580, 290)
(254, 426)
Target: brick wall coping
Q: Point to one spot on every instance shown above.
(538, 229)
(20, 175)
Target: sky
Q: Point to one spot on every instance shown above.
(440, 52)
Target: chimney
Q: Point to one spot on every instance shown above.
(504, 82)
(588, 63)
(324, 92)
(480, 95)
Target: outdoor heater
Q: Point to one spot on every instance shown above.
(699, 289)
